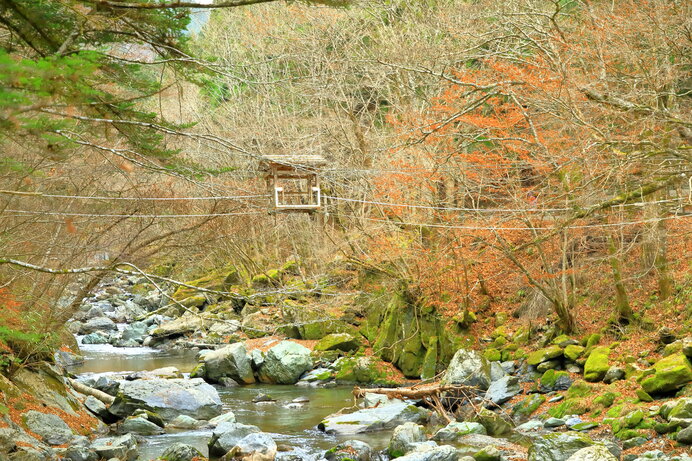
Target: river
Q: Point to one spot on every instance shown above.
(292, 425)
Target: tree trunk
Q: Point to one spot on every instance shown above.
(622, 304)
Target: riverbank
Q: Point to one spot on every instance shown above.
(257, 377)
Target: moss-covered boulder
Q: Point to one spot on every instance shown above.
(558, 446)
(669, 374)
(573, 352)
(338, 342)
(545, 354)
(494, 423)
(553, 380)
(410, 335)
(597, 365)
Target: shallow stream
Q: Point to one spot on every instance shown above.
(291, 425)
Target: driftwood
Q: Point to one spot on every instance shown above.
(86, 390)
(431, 394)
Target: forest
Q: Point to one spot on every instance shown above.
(345, 229)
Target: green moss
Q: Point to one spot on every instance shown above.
(572, 406)
(573, 352)
(597, 364)
(633, 418)
(543, 355)
(579, 388)
(529, 405)
(429, 369)
(670, 373)
(615, 411)
(220, 280)
(605, 400)
(550, 378)
(492, 355)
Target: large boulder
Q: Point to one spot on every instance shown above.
(558, 446)
(181, 452)
(469, 368)
(503, 389)
(229, 362)
(350, 450)
(98, 324)
(404, 439)
(285, 363)
(97, 337)
(227, 435)
(668, 375)
(383, 417)
(168, 397)
(188, 323)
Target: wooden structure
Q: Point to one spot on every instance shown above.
(293, 181)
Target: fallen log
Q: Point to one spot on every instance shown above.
(86, 390)
(411, 393)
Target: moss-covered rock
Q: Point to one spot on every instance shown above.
(573, 352)
(573, 406)
(553, 380)
(605, 400)
(493, 355)
(579, 389)
(669, 374)
(494, 423)
(597, 364)
(338, 341)
(400, 332)
(528, 406)
(543, 355)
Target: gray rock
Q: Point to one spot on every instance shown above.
(593, 453)
(614, 374)
(404, 437)
(8, 438)
(97, 407)
(67, 358)
(74, 327)
(228, 417)
(139, 425)
(489, 453)
(508, 366)
(530, 426)
(227, 435)
(122, 448)
(94, 312)
(51, 429)
(351, 450)
(558, 446)
(107, 385)
(454, 430)
(503, 390)
(371, 399)
(78, 453)
(685, 436)
(554, 422)
(496, 371)
(374, 419)
(185, 422)
(470, 368)
(135, 332)
(98, 324)
(285, 363)
(258, 445)
(168, 397)
(98, 337)
(229, 362)
(443, 453)
(181, 452)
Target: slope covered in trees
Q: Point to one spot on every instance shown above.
(486, 161)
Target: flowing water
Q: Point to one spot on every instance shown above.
(290, 424)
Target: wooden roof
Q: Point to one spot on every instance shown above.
(298, 160)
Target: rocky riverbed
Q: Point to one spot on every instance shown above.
(157, 380)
